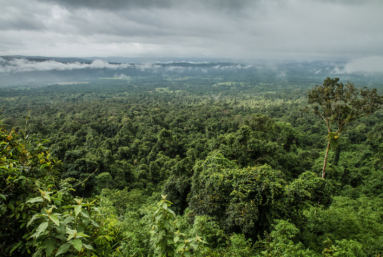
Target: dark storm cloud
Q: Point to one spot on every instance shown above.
(272, 29)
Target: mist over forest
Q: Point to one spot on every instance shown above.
(37, 71)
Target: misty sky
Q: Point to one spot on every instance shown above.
(274, 29)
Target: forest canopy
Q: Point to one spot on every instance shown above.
(191, 166)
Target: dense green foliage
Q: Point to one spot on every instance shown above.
(238, 165)
(339, 104)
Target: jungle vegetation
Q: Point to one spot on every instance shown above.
(191, 166)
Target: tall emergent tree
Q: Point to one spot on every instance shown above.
(340, 104)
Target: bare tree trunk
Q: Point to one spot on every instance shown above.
(325, 159)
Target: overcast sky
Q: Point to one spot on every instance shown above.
(272, 29)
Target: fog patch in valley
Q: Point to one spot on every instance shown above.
(367, 65)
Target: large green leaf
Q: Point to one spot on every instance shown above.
(16, 246)
(81, 234)
(49, 245)
(60, 196)
(77, 209)
(56, 201)
(94, 223)
(180, 247)
(72, 233)
(63, 249)
(77, 244)
(3, 197)
(43, 226)
(46, 196)
(43, 166)
(61, 229)
(37, 253)
(89, 247)
(85, 213)
(33, 218)
(55, 219)
(86, 222)
(67, 220)
(61, 237)
(35, 200)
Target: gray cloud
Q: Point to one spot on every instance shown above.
(275, 29)
(127, 4)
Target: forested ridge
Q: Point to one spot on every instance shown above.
(189, 166)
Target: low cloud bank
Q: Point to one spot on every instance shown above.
(233, 67)
(122, 76)
(372, 64)
(24, 65)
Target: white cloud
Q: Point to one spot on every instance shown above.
(123, 76)
(372, 64)
(281, 75)
(24, 65)
(175, 68)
